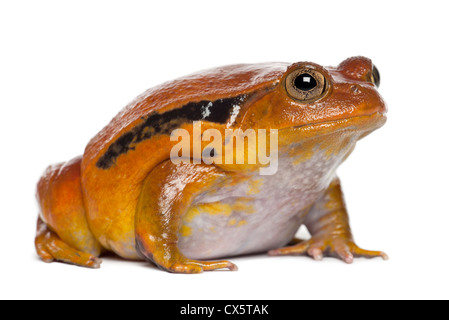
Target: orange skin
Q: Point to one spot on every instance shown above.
(118, 196)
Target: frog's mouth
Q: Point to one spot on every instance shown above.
(365, 124)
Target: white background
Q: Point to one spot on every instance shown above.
(67, 67)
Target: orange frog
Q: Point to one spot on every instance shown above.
(126, 194)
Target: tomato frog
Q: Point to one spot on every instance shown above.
(127, 196)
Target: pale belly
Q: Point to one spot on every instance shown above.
(256, 215)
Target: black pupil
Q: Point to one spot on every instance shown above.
(305, 82)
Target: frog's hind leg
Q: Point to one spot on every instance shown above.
(63, 233)
(50, 247)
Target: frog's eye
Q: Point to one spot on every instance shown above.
(375, 76)
(306, 84)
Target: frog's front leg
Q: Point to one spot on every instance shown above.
(328, 224)
(167, 194)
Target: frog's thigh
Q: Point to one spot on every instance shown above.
(167, 193)
(62, 212)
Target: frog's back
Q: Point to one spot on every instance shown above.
(209, 85)
(119, 157)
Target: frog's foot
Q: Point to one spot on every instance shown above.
(317, 247)
(50, 247)
(195, 266)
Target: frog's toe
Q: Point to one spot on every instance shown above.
(300, 248)
(344, 254)
(313, 249)
(359, 252)
(316, 253)
(348, 250)
(343, 249)
(194, 266)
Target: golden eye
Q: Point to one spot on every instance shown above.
(306, 84)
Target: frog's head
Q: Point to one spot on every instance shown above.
(323, 100)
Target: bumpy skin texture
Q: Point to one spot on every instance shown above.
(125, 195)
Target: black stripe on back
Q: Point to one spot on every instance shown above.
(217, 111)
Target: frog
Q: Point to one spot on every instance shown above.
(126, 195)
